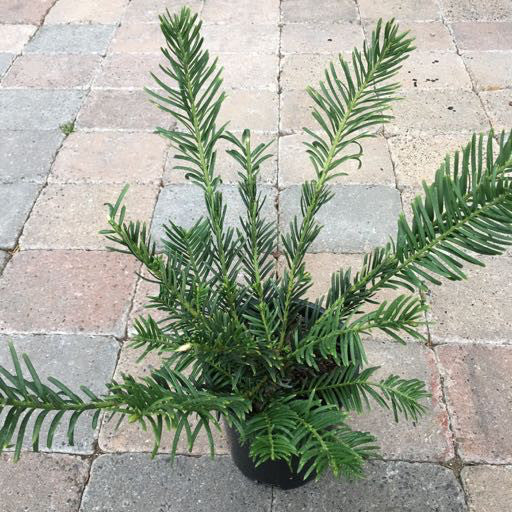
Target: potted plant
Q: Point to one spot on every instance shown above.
(239, 342)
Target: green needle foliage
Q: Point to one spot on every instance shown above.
(239, 342)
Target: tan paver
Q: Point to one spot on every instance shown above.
(148, 10)
(140, 302)
(434, 70)
(14, 37)
(121, 109)
(321, 37)
(226, 166)
(483, 35)
(415, 10)
(248, 38)
(138, 38)
(110, 157)
(296, 109)
(299, 70)
(481, 312)
(428, 36)
(226, 11)
(123, 70)
(257, 71)
(86, 11)
(321, 266)
(428, 439)
(477, 10)
(499, 107)
(478, 394)
(257, 110)
(71, 216)
(438, 112)
(489, 488)
(52, 71)
(417, 157)
(21, 11)
(309, 11)
(489, 70)
(66, 292)
(295, 166)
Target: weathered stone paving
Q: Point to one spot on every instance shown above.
(80, 67)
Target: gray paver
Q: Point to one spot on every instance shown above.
(16, 200)
(4, 257)
(27, 155)
(5, 62)
(389, 487)
(71, 38)
(358, 217)
(184, 205)
(42, 482)
(75, 360)
(26, 109)
(135, 482)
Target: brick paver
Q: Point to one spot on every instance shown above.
(110, 157)
(121, 110)
(63, 298)
(478, 394)
(52, 71)
(76, 303)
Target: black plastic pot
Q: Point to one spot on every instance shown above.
(276, 473)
